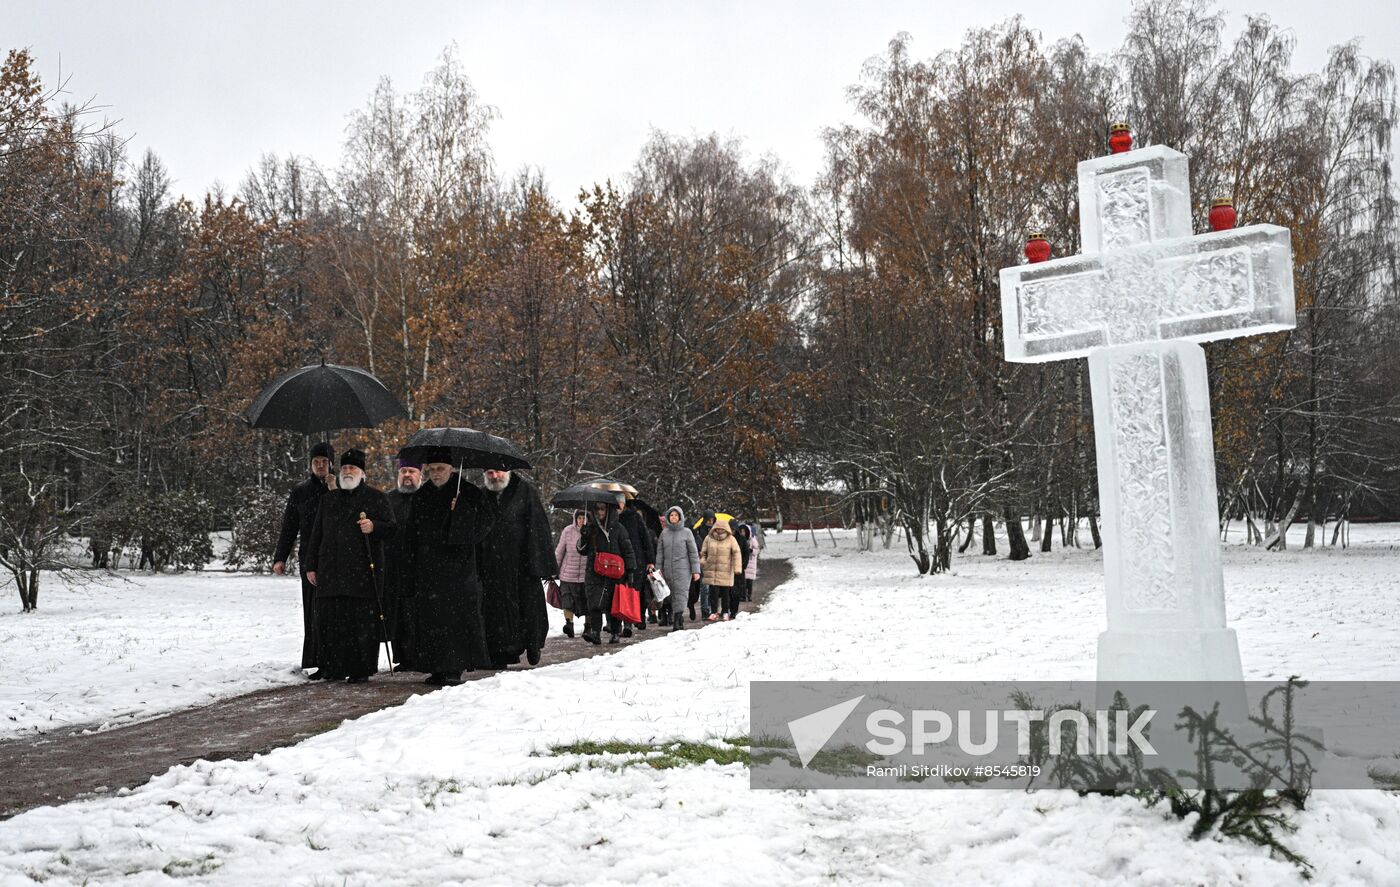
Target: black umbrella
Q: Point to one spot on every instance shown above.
(323, 397)
(470, 448)
(652, 515)
(581, 496)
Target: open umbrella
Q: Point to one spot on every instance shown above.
(607, 483)
(323, 397)
(581, 496)
(653, 517)
(470, 448)
(719, 516)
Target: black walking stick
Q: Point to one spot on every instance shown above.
(378, 598)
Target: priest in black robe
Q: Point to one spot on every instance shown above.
(410, 479)
(514, 558)
(346, 551)
(298, 519)
(443, 593)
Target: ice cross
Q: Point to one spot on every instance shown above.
(1136, 301)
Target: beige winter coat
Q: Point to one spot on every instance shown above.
(720, 557)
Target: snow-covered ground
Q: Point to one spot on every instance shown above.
(130, 646)
(459, 786)
(133, 645)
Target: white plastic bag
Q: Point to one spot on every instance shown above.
(659, 589)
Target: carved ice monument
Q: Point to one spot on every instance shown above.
(1144, 291)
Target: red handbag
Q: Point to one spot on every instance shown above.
(552, 596)
(609, 565)
(626, 603)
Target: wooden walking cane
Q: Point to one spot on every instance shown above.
(378, 597)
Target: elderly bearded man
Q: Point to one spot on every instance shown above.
(516, 556)
(346, 550)
(443, 593)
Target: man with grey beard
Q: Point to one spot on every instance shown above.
(513, 560)
(395, 612)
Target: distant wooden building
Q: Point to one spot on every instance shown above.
(801, 508)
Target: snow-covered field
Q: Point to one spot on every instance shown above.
(132, 646)
(459, 786)
(136, 645)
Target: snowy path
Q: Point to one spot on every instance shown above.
(460, 785)
(63, 765)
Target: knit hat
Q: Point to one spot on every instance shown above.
(322, 449)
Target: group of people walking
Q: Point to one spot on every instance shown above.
(447, 572)
(672, 565)
(452, 575)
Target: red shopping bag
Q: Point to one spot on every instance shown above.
(626, 603)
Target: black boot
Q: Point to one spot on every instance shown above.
(358, 679)
(434, 679)
(569, 629)
(452, 679)
(612, 638)
(651, 617)
(532, 657)
(627, 630)
(679, 623)
(316, 675)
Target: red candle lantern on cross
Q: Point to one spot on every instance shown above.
(1037, 247)
(1120, 138)
(1222, 214)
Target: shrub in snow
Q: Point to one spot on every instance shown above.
(159, 530)
(255, 527)
(1259, 815)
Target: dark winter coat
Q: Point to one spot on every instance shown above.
(701, 532)
(394, 596)
(337, 553)
(298, 519)
(439, 582)
(643, 545)
(512, 560)
(742, 537)
(611, 537)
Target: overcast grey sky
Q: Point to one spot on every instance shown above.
(213, 85)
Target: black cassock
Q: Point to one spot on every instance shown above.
(298, 520)
(395, 596)
(348, 630)
(517, 553)
(442, 595)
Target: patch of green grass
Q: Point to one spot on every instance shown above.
(666, 756)
(846, 760)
